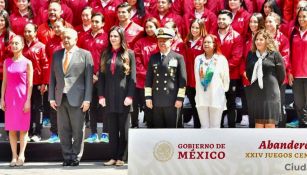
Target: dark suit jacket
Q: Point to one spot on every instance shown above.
(79, 77)
(115, 88)
(165, 81)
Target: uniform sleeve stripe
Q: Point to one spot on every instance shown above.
(181, 92)
(148, 91)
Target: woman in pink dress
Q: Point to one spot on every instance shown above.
(16, 98)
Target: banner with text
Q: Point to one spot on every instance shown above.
(217, 151)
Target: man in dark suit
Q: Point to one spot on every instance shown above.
(165, 82)
(70, 93)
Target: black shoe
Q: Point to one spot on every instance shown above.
(74, 162)
(66, 163)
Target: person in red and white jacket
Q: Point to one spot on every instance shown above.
(108, 9)
(76, 7)
(133, 31)
(95, 41)
(258, 4)
(164, 14)
(200, 12)
(34, 50)
(150, 6)
(20, 18)
(42, 14)
(53, 45)
(289, 9)
(232, 49)
(298, 69)
(138, 12)
(240, 17)
(45, 31)
(86, 25)
(143, 49)
(194, 47)
(215, 5)
(177, 45)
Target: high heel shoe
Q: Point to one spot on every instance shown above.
(20, 162)
(13, 163)
(110, 163)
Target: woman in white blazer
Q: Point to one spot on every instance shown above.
(212, 81)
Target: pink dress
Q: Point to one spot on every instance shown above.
(16, 95)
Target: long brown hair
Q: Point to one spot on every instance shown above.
(270, 44)
(202, 28)
(123, 51)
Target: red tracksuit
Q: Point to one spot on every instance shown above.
(36, 53)
(5, 51)
(298, 59)
(42, 16)
(150, 6)
(109, 12)
(215, 5)
(133, 32)
(232, 49)
(170, 16)
(53, 45)
(240, 23)
(80, 30)
(284, 49)
(45, 33)
(19, 22)
(96, 45)
(289, 9)
(179, 47)
(247, 47)
(191, 53)
(208, 16)
(77, 7)
(143, 49)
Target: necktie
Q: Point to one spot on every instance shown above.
(66, 62)
(162, 57)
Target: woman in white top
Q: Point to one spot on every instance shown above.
(212, 81)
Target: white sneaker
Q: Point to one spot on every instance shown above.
(36, 138)
(244, 121)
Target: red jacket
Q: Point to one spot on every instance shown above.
(80, 30)
(247, 47)
(36, 53)
(208, 16)
(109, 12)
(179, 47)
(250, 6)
(284, 49)
(259, 3)
(45, 33)
(150, 6)
(298, 59)
(139, 20)
(19, 22)
(289, 9)
(232, 49)
(170, 16)
(5, 51)
(52, 46)
(143, 49)
(240, 23)
(191, 54)
(133, 32)
(215, 5)
(35, 5)
(96, 45)
(77, 7)
(42, 16)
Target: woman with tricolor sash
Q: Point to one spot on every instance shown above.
(212, 81)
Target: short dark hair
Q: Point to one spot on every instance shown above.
(225, 12)
(98, 14)
(124, 5)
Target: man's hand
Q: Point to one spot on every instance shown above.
(178, 104)
(85, 106)
(53, 104)
(128, 101)
(149, 104)
(290, 79)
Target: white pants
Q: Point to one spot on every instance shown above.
(210, 117)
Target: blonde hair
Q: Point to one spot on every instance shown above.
(270, 44)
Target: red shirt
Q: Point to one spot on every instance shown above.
(52, 46)
(77, 6)
(240, 23)
(5, 51)
(289, 9)
(109, 12)
(36, 53)
(45, 33)
(42, 17)
(298, 59)
(96, 45)
(170, 16)
(133, 32)
(232, 49)
(209, 18)
(191, 53)
(143, 49)
(19, 22)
